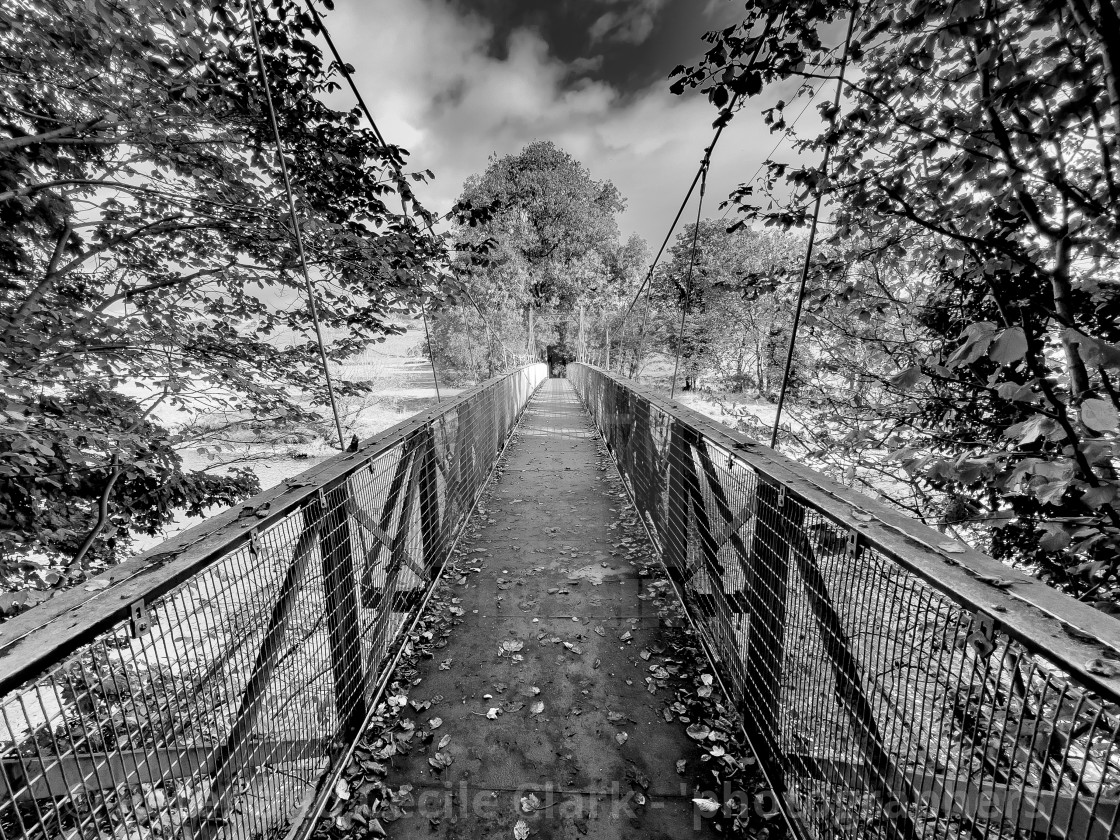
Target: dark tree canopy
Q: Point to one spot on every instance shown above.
(975, 204)
(553, 241)
(147, 262)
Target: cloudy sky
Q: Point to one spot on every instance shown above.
(455, 81)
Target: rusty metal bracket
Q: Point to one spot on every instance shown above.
(982, 635)
(854, 545)
(138, 620)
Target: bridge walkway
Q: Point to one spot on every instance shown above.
(552, 584)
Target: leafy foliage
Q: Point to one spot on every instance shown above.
(973, 190)
(147, 266)
(543, 238)
(739, 306)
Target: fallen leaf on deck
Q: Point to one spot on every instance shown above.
(521, 830)
(530, 803)
(707, 806)
(440, 760)
(698, 731)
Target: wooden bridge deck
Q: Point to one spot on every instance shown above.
(554, 579)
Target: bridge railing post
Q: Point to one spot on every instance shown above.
(343, 620)
(767, 582)
(431, 523)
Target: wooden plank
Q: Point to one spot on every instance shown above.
(67, 775)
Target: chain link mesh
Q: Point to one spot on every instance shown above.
(879, 700)
(249, 651)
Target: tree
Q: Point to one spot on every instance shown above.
(147, 259)
(554, 229)
(739, 310)
(980, 141)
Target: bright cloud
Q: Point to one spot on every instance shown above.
(426, 72)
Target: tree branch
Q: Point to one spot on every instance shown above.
(9, 143)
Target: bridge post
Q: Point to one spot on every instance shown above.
(464, 454)
(340, 592)
(767, 575)
(646, 460)
(677, 506)
(431, 526)
(225, 763)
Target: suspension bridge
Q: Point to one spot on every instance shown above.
(571, 535)
(555, 607)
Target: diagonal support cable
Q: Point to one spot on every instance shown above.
(812, 238)
(296, 231)
(691, 266)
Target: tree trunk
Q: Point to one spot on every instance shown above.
(1060, 287)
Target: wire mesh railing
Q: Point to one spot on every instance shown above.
(204, 688)
(893, 683)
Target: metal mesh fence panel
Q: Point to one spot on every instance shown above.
(892, 684)
(202, 689)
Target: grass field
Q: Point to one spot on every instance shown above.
(400, 381)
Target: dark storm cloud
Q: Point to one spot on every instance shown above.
(633, 42)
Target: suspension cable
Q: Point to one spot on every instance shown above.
(296, 231)
(700, 173)
(688, 281)
(431, 356)
(344, 70)
(812, 238)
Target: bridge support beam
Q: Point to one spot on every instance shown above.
(766, 587)
(340, 593)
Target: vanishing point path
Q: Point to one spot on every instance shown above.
(557, 631)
